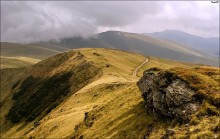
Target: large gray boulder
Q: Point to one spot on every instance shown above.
(167, 95)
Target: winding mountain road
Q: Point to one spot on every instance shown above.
(136, 69)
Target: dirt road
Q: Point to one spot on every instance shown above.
(136, 69)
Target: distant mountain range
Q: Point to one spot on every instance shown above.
(50, 91)
(205, 45)
(149, 45)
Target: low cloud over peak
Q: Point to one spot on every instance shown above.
(28, 21)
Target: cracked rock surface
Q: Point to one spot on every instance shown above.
(167, 95)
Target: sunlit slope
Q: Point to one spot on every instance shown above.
(163, 64)
(44, 86)
(205, 45)
(14, 49)
(108, 105)
(140, 43)
(116, 67)
(15, 62)
(14, 55)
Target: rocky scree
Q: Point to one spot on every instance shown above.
(168, 96)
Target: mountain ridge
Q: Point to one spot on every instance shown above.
(208, 45)
(107, 106)
(94, 85)
(139, 43)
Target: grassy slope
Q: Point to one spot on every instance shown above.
(112, 61)
(140, 43)
(8, 77)
(205, 123)
(163, 64)
(205, 80)
(15, 55)
(193, 41)
(170, 50)
(16, 62)
(110, 106)
(14, 49)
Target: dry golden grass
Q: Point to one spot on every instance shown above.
(32, 51)
(109, 107)
(17, 62)
(162, 64)
(204, 80)
(117, 68)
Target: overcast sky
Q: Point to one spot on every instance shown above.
(34, 21)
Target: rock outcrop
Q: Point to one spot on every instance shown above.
(167, 95)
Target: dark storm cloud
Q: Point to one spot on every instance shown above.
(34, 21)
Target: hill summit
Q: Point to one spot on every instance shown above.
(93, 93)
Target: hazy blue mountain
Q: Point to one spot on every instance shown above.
(205, 45)
(140, 43)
